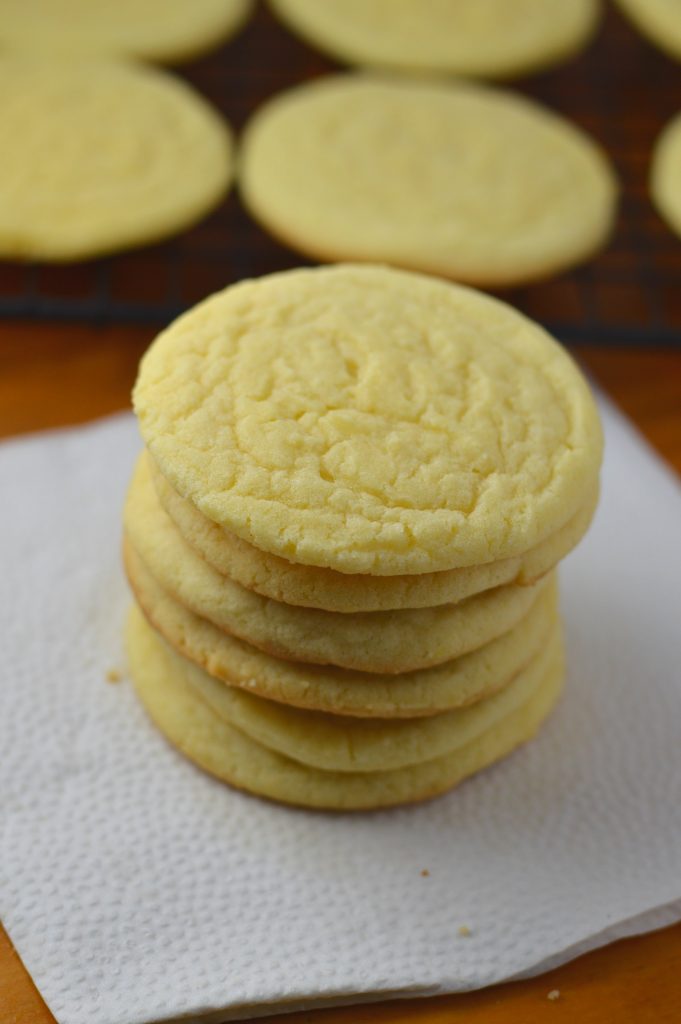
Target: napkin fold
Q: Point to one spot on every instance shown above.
(138, 889)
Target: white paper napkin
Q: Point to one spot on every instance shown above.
(136, 888)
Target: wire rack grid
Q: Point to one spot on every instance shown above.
(620, 89)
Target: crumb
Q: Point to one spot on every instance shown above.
(554, 994)
(464, 931)
(113, 676)
(425, 873)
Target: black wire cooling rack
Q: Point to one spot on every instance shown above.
(621, 90)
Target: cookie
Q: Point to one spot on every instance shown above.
(228, 753)
(311, 587)
(103, 156)
(456, 683)
(394, 641)
(370, 421)
(163, 30)
(659, 20)
(466, 181)
(665, 175)
(487, 38)
(335, 743)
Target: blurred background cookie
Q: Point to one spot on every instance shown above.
(471, 182)
(658, 20)
(482, 38)
(102, 155)
(157, 30)
(665, 174)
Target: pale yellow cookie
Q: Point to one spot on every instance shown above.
(370, 420)
(340, 691)
(228, 753)
(665, 175)
(394, 641)
(101, 156)
(311, 587)
(164, 30)
(466, 181)
(487, 38)
(659, 20)
(335, 743)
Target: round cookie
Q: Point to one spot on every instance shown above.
(466, 181)
(486, 38)
(659, 20)
(335, 743)
(369, 420)
(163, 30)
(311, 587)
(103, 156)
(229, 754)
(665, 175)
(394, 641)
(456, 683)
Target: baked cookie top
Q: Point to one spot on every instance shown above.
(370, 420)
(165, 30)
(467, 181)
(469, 37)
(102, 155)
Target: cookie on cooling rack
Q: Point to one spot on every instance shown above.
(466, 181)
(102, 156)
(482, 38)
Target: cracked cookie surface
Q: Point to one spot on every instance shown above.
(370, 420)
(312, 587)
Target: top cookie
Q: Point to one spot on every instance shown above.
(370, 420)
(490, 38)
(164, 30)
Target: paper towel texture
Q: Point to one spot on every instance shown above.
(136, 888)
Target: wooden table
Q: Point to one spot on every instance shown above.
(51, 376)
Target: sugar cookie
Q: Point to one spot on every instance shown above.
(336, 743)
(659, 20)
(392, 641)
(487, 38)
(103, 156)
(228, 753)
(163, 30)
(466, 181)
(340, 691)
(311, 587)
(665, 176)
(370, 420)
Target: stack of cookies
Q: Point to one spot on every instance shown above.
(343, 532)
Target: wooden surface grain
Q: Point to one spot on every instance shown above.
(58, 375)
